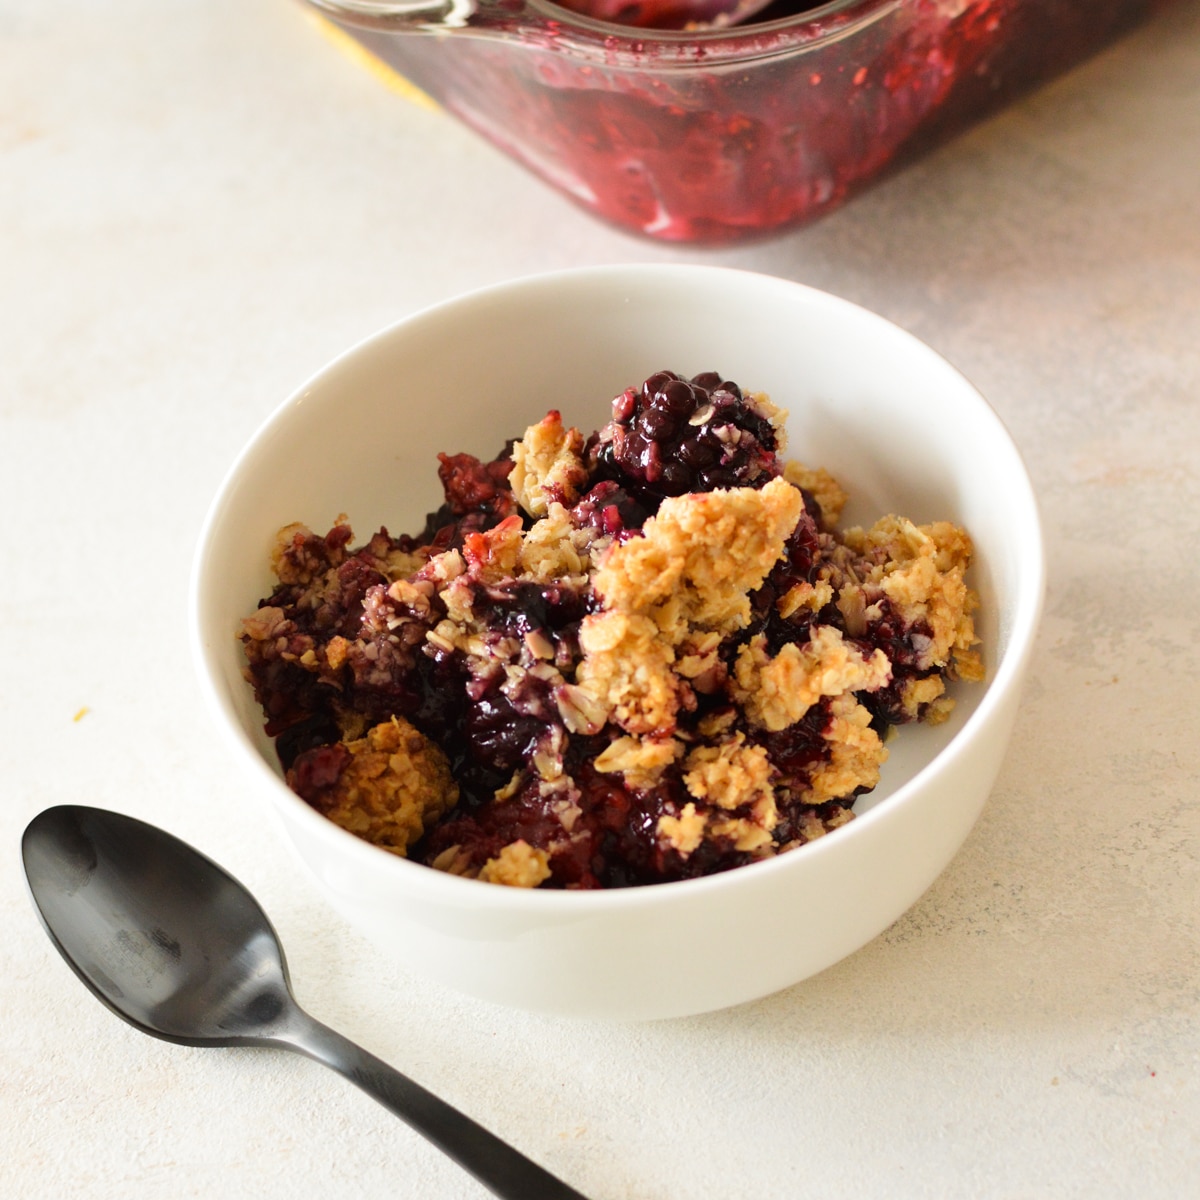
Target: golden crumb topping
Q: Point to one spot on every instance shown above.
(823, 488)
(925, 695)
(920, 569)
(683, 833)
(776, 692)
(855, 753)
(394, 786)
(748, 836)
(492, 555)
(517, 865)
(626, 668)
(730, 774)
(734, 781)
(641, 760)
(555, 548)
(547, 466)
(804, 595)
(700, 557)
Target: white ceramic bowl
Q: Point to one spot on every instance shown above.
(901, 429)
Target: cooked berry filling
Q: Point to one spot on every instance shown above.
(673, 436)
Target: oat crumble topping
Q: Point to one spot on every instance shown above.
(517, 865)
(387, 787)
(642, 655)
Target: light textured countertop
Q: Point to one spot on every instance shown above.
(200, 203)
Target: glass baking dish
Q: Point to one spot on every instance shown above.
(718, 135)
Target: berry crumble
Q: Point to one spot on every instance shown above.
(642, 655)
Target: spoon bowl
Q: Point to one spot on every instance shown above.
(162, 935)
(173, 944)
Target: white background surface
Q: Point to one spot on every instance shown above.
(201, 202)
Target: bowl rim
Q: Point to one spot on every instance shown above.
(439, 886)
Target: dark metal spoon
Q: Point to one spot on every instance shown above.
(178, 948)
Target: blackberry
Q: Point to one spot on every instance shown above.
(674, 435)
(609, 508)
(796, 751)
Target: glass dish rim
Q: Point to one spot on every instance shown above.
(545, 25)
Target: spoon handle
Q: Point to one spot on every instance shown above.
(505, 1171)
